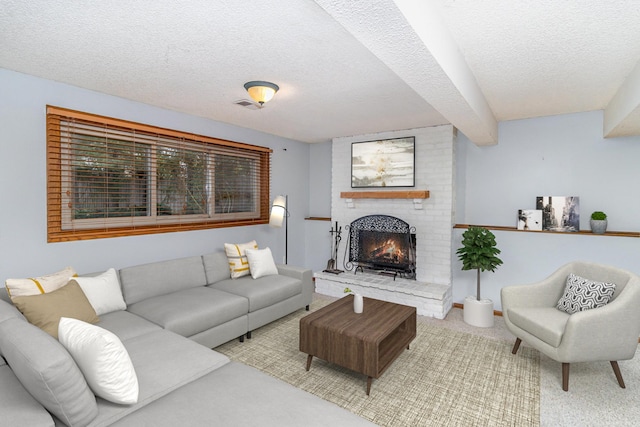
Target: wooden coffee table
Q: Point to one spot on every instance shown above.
(367, 343)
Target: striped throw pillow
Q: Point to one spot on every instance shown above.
(238, 263)
(39, 285)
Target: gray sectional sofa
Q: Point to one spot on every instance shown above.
(196, 297)
(177, 311)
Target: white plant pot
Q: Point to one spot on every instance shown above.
(478, 313)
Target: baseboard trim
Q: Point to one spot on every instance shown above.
(495, 312)
(461, 306)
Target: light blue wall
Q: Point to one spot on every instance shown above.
(563, 155)
(320, 179)
(318, 249)
(24, 250)
(559, 155)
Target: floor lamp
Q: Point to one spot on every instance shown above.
(279, 214)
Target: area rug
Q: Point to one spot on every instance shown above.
(446, 378)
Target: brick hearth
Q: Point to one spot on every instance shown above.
(429, 299)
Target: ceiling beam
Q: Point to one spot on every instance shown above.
(410, 38)
(622, 115)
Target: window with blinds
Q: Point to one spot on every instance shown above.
(108, 177)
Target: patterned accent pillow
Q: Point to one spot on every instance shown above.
(238, 263)
(39, 285)
(583, 294)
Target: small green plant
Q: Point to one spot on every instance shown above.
(478, 252)
(347, 290)
(599, 216)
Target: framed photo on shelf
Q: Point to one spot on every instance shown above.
(529, 219)
(559, 213)
(383, 163)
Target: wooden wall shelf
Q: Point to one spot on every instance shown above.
(582, 232)
(391, 194)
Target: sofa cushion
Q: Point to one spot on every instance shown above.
(45, 310)
(4, 295)
(239, 395)
(583, 294)
(9, 311)
(103, 360)
(47, 372)
(261, 292)
(17, 406)
(164, 361)
(545, 323)
(103, 291)
(216, 266)
(191, 311)
(39, 285)
(261, 262)
(160, 278)
(126, 325)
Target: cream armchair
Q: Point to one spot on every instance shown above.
(605, 333)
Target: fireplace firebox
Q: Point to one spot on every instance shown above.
(381, 243)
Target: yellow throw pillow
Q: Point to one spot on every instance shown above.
(45, 310)
(238, 263)
(39, 285)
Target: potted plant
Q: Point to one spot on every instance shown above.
(598, 222)
(478, 252)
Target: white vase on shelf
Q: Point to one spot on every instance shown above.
(358, 303)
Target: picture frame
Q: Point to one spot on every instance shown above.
(529, 219)
(383, 163)
(559, 213)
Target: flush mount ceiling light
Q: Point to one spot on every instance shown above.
(260, 91)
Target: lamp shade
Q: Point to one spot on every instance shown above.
(260, 91)
(278, 211)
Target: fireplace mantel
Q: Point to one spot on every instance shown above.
(403, 194)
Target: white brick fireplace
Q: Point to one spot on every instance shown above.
(433, 217)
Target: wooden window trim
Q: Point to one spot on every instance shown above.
(55, 231)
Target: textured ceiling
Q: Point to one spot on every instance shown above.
(344, 68)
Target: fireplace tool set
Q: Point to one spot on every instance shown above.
(336, 232)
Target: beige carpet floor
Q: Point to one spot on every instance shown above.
(447, 378)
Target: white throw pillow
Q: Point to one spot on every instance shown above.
(237, 259)
(261, 262)
(103, 292)
(102, 358)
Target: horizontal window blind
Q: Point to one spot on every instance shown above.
(108, 177)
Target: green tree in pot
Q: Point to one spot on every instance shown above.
(479, 252)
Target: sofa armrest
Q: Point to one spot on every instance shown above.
(292, 271)
(304, 275)
(17, 406)
(606, 333)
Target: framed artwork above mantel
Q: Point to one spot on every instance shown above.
(383, 163)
